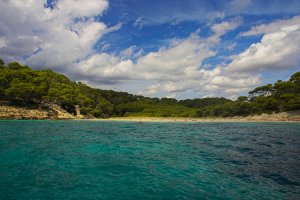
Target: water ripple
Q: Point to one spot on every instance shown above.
(127, 160)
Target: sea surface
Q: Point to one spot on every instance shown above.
(132, 160)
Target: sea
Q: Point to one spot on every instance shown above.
(149, 160)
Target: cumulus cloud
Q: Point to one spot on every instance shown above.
(180, 57)
(105, 69)
(221, 28)
(62, 38)
(278, 49)
(48, 37)
(175, 68)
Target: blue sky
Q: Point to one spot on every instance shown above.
(173, 48)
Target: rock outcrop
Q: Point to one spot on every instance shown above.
(53, 112)
(60, 113)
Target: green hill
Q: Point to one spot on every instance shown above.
(23, 86)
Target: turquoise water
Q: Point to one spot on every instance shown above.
(130, 160)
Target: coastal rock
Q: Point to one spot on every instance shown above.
(12, 112)
(54, 112)
(60, 113)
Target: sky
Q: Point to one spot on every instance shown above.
(172, 48)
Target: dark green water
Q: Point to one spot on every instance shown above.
(128, 160)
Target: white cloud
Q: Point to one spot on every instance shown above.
(179, 57)
(278, 49)
(221, 28)
(63, 38)
(105, 68)
(131, 52)
(276, 26)
(139, 23)
(55, 37)
(234, 81)
(104, 46)
(181, 67)
(182, 57)
(174, 68)
(81, 8)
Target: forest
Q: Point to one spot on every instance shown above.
(22, 86)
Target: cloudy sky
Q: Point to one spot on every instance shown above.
(174, 48)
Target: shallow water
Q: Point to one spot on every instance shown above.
(130, 160)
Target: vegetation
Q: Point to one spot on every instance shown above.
(24, 86)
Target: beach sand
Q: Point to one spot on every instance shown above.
(277, 117)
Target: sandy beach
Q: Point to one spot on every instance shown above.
(278, 117)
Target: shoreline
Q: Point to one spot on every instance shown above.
(57, 113)
(162, 120)
(291, 116)
(157, 120)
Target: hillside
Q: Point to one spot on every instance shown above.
(21, 86)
